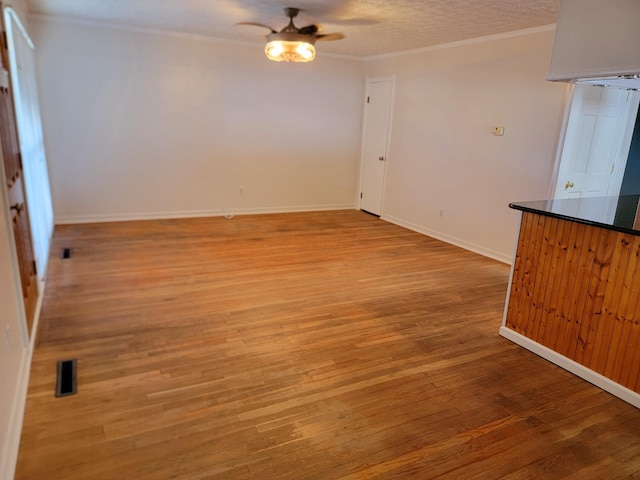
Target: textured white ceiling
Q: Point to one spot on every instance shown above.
(372, 27)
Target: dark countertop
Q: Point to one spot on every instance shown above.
(612, 213)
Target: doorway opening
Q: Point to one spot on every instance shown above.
(598, 136)
(375, 143)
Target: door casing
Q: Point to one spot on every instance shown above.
(16, 195)
(376, 139)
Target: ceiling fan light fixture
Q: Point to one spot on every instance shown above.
(290, 47)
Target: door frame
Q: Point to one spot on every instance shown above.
(28, 117)
(369, 81)
(13, 251)
(23, 238)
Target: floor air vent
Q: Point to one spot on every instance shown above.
(65, 253)
(66, 383)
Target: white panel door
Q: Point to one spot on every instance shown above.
(596, 143)
(375, 144)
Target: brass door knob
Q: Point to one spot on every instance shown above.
(568, 185)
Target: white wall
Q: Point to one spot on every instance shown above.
(443, 155)
(141, 125)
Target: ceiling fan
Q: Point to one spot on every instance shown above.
(293, 44)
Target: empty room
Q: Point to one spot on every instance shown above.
(333, 239)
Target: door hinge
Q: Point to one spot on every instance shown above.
(360, 194)
(20, 160)
(4, 38)
(35, 268)
(368, 98)
(612, 167)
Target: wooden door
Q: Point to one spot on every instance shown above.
(375, 143)
(16, 193)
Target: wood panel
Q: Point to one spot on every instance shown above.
(583, 301)
(327, 345)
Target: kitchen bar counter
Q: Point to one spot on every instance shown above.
(574, 292)
(613, 213)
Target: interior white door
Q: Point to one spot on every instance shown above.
(597, 142)
(375, 144)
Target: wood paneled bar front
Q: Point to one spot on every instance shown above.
(574, 291)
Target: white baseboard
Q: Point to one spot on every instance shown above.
(458, 242)
(581, 371)
(10, 455)
(124, 217)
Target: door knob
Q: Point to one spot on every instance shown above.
(381, 159)
(567, 185)
(17, 207)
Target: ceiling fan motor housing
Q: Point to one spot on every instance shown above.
(291, 37)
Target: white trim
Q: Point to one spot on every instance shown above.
(16, 18)
(513, 264)
(624, 143)
(9, 456)
(568, 102)
(458, 242)
(581, 371)
(226, 212)
(170, 33)
(13, 252)
(9, 459)
(461, 43)
(392, 106)
(369, 82)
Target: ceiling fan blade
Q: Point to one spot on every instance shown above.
(308, 30)
(254, 24)
(329, 36)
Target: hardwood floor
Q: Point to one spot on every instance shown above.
(328, 345)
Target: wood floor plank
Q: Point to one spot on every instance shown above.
(319, 345)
